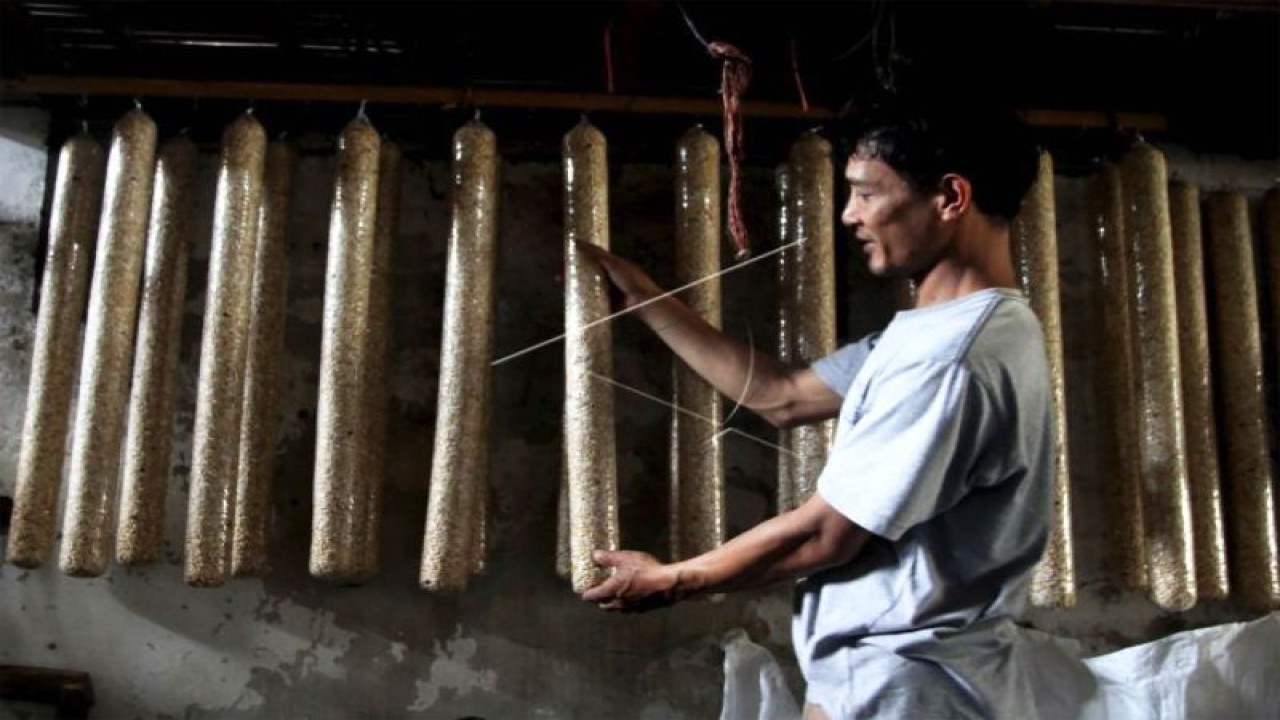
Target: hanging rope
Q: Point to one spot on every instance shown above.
(734, 78)
(795, 73)
(692, 28)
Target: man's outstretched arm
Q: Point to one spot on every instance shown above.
(783, 396)
(811, 538)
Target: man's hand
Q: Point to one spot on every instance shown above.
(634, 284)
(639, 582)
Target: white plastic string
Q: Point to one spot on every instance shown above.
(637, 306)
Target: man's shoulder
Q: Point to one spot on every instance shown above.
(1009, 335)
(992, 339)
(948, 333)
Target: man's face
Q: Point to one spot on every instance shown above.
(896, 227)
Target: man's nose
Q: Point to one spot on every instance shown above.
(850, 217)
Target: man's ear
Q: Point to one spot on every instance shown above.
(955, 196)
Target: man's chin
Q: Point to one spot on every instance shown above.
(877, 268)
(880, 270)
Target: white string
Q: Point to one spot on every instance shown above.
(608, 318)
(637, 306)
(762, 441)
(654, 398)
(722, 430)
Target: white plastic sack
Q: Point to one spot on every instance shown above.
(754, 686)
(1226, 671)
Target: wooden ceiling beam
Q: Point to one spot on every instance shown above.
(493, 98)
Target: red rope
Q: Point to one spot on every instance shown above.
(795, 72)
(735, 76)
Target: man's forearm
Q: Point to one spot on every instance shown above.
(789, 546)
(730, 366)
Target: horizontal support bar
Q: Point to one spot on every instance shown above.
(491, 97)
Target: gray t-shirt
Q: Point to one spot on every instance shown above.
(944, 453)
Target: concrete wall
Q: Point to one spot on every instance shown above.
(517, 643)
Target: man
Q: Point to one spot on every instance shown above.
(916, 550)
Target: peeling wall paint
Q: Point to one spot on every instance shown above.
(517, 643)
(452, 671)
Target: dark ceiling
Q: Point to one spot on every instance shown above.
(1206, 72)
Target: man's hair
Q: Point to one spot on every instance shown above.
(993, 149)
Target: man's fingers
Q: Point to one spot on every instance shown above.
(606, 590)
(595, 252)
(625, 590)
(614, 558)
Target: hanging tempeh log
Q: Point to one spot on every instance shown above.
(697, 447)
(1197, 394)
(1254, 558)
(1123, 485)
(73, 220)
(813, 285)
(1166, 498)
(903, 291)
(588, 403)
(149, 434)
(89, 519)
(338, 548)
(453, 539)
(481, 521)
(258, 421)
(564, 550)
(1271, 238)
(379, 329)
(215, 451)
(786, 492)
(1035, 242)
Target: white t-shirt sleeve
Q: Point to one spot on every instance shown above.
(838, 369)
(908, 453)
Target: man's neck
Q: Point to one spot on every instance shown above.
(976, 261)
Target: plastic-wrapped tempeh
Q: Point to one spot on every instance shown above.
(697, 447)
(379, 329)
(1197, 394)
(1271, 239)
(480, 545)
(224, 344)
(73, 221)
(903, 293)
(1126, 538)
(813, 282)
(149, 436)
(1166, 499)
(341, 505)
(1254, 558)
(454, 535)
(89, 520)
(588, 405)
(258, 421)
(786, 492)
(564, 551)
(1035, 241)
